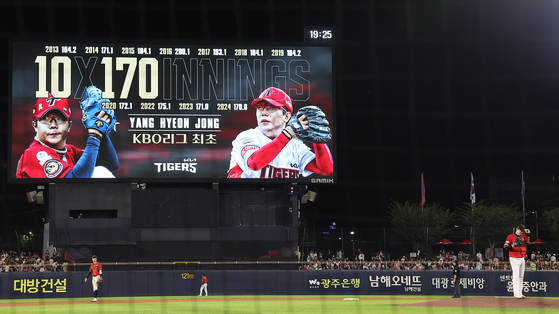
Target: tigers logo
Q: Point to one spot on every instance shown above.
(52, 168)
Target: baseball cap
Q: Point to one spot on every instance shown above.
(275, 97)
(44, 105)
(521, 227)
(94, 256)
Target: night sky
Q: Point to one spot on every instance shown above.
(443, 88)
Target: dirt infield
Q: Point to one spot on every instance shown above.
(482, 302)
(492, 302)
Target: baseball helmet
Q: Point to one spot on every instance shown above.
(275, 97)
(44, 105)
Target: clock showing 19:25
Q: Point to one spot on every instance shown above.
(319, 34)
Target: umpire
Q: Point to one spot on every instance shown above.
(456, 279)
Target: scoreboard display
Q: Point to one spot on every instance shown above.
(178, 109)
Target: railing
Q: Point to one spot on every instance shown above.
(178, 265)
(281, 265)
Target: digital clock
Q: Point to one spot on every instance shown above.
(324, 34)
(315, 34)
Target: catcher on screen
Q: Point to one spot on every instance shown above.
(49, 156)
(275, 148)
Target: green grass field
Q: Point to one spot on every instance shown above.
(248, 304)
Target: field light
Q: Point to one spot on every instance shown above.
(309, 196)
(36, 195)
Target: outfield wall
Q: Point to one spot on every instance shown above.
(273, 282)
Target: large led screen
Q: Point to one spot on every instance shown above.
(145, 112)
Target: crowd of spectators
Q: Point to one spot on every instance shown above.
(11, 261)
(443, 261)
(542, 261)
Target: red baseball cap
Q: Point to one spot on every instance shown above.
(275, 97)
(44, 105)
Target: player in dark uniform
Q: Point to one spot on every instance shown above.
(49, 156)
(96, 269)
(456, 279)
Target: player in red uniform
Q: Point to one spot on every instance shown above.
(96, 269)
(516, 245)
(204, 285)
(49, 156)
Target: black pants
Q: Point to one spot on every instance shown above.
(457, 287)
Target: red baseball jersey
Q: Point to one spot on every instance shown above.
(204, 279)
(95, 269)
(518, 252)
(39, 161)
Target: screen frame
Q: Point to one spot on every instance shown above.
(301, 180)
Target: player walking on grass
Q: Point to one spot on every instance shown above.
(516, 245)
(96, 269)
(204, 285)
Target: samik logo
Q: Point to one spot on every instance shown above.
(320, 180)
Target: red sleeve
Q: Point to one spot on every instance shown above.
(509, 240)
(235, 172)
(267, 153)
(323, 163)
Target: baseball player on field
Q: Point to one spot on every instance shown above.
(96, 269)
(515, 244)
(49, 156)
(275, 148)
(456, 279)
(204, 286)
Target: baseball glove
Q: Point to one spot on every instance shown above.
(100, 281)
(318, 130)
(518, 242)
(91, 104)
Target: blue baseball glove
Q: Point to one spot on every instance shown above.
(91, 104)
